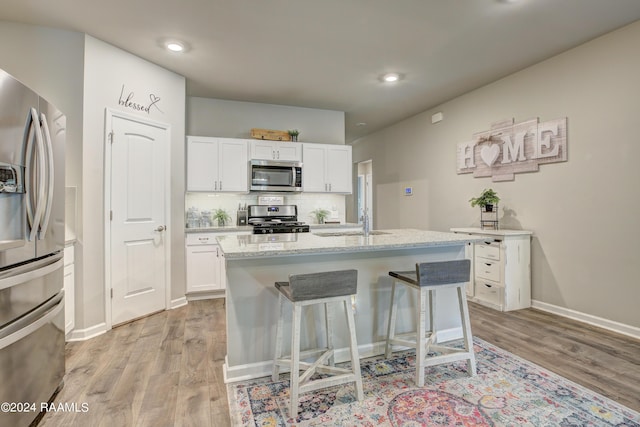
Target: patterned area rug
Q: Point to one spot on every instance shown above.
(508, 391)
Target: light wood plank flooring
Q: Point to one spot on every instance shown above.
(166, 369)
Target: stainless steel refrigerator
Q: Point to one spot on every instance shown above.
(32, 134)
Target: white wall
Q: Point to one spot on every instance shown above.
(234, 119)
(106, 69)
(584, 212)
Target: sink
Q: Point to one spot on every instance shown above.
(349, 233)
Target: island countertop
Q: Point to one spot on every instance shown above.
(250, 246)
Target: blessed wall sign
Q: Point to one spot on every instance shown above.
(508, 148)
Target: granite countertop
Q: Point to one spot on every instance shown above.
(487, 232)
(239, 247)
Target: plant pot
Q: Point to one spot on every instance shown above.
(222, 223)
(488, 208)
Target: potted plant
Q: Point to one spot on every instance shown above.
(293, 133)
(486, 200)
(221, 216)
(320, 214)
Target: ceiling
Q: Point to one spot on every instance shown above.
(330, 54)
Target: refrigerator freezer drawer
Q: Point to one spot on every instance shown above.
(24, 288)
(32, 360)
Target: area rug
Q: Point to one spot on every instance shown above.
(507, 391)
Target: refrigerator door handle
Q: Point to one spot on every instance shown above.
(35, 219)
(31, 274)
(50, 175)
(32, 321)
(28, 142)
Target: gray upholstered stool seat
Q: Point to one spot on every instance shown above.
(426, 279)
(309, 289)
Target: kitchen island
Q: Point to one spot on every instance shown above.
(253, 263)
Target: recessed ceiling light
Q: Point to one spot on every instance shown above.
(391, 77)
(175, 46)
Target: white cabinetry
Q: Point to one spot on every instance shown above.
(501, 268)
(326, 168)
(69, 288)
(205, 263)
(217, 164)
(274, 150)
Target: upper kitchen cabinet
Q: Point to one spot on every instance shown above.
(326, 168)
(217, 164)
(274, 150)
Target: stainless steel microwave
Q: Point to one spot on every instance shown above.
(274, 175)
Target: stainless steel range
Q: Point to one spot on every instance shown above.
(275, 219)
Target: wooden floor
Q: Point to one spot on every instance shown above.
(166, 369)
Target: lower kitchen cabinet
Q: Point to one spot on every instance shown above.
(205, 264)
(69, 285)
(500, 268)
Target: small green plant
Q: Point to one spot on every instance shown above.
(293, 133)
(487, 198)
(320, 215)
(221, 216)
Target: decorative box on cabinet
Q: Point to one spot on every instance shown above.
(273, 150)
(205, 265)
(327, 168)
(217, 164)
(501, 268)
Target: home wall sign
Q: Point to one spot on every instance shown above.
(128, 100)
(508, 148)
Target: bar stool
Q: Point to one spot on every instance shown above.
(308, 289)
(427, 278)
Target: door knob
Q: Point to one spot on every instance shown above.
(160, 228)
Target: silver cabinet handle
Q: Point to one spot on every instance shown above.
(160, 228)
(220, 185)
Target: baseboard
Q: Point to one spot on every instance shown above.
(600, 322)
(252, 371)
(195, 296)
(178, 302)
(87, 333)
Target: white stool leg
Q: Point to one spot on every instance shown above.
(466, 330)
(295, 360)
(432, 316)
(328, 315)
(391, 327)
(420, 337)
(355, 357)
(278, 351)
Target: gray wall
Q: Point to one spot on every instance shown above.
(234, 119)
(584, 212)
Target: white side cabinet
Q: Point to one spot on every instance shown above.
(69, 288)
(205, 264)
(327, 168)
(274, 150)
(500, 268)
(217, 164)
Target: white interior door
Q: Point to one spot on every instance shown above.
(138, 237)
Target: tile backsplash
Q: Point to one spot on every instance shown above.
(335, 203)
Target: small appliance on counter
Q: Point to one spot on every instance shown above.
(242, 215)
(275, 219)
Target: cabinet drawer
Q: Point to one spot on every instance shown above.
(488, 269)
(490, 250)
(201, 239)
(490, 293)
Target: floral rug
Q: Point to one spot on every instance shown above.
(507, 391)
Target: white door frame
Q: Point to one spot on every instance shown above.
(109, 115)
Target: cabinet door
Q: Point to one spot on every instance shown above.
(313, 168)
(69, 289)
(202, 164)
(339, 169)
(232, 165)
(263, 150)
(288, 151)
(203, 268)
